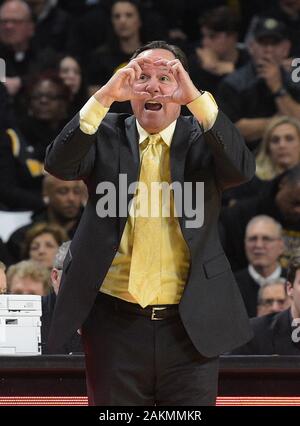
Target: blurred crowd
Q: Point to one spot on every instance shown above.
(57, 53)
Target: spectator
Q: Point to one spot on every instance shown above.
(22, 57)
(280, 148)
(47, 105)
(278, 333)
(262, 88)
(74, 344)
(42, 242)
(263, 246)
(280, 199)
(63, 200)
(3, 281)
(219, 53)
(69, 70)
(28, 277)
(272, 297)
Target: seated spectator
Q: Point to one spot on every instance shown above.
(280, 199)
(52, 24)
(253, 94)
(263, 246)
(21, 173)
(219, 54)
(3, 281)
(272, 297)
(28, 277)
(74, 344)
(280, 148)
(17, 48)
(278, 333)
(64, 204)
(45, 112)
(42, 242)
(69, 70)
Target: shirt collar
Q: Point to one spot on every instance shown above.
(260, 279)
(166, 134)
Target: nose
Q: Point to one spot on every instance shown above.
(152, 86)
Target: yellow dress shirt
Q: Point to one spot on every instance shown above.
(175, 259)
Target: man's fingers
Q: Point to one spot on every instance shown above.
(140, 95)
(163, 98)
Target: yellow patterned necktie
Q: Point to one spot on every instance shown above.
(145, 268)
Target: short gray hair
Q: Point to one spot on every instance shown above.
(270, 283)
(61, 254)
(264, 218)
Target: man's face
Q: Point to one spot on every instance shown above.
(273, 299)
(269, 49)
(293, 291)
(288, 201)
(16, 26)
(263, 244)
(219, 42)
(65, 197)
(156, 80)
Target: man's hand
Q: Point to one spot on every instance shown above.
(269, 70)
(120, 87)
(185, 92)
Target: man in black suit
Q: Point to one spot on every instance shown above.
(263, 247)
(278, 333)
(154, 295)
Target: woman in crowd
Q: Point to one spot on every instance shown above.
(280, 148)
(28, 277)
(69, 70)
(42, 242)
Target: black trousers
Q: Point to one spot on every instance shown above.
(132, 360)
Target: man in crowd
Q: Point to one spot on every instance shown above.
(278, 333)
(263, 88)
(263, 245)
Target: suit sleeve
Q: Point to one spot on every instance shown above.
(71, 155)
(234, 163)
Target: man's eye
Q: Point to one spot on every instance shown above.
(142, 77)
(164, 78)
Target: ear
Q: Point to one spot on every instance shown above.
(289, 289)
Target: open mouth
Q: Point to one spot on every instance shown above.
(153, 106)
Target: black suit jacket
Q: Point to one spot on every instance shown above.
(211, 307)
(272, 335)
